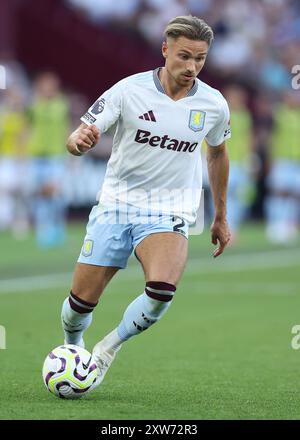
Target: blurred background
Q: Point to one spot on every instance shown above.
(229, 354)
(60, 55)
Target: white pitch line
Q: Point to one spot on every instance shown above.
(250, 288)
(36, 282)
(230, 263)
(246, 262)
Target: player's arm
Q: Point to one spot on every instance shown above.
(218, 171)
(102, 115)
(83, 139)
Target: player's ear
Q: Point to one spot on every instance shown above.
(164, 49)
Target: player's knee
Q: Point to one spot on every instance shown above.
(159, 297)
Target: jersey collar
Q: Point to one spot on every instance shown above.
(160, 88)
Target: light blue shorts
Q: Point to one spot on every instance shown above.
(112, 235)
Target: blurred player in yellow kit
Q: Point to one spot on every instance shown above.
(13, 212)
(49, 120)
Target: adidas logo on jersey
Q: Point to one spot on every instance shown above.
(144, 137)
(149, 116)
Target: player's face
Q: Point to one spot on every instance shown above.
(184, 59)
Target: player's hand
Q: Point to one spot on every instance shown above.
(83, 139)
(220, 235)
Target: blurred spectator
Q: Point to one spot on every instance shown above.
(12, 164)
(240, 188)
(49, 125)
(263, 125)
(283, 202)
(107, 10)
(15, 74)
(156, 15)
(255, 40)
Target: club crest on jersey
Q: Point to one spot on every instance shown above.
(98, 106)
(87, 248)
(197, 119)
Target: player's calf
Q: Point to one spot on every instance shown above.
(145, 310)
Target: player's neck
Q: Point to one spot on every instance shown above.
(171, 87)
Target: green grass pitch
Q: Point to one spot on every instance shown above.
(223, 350)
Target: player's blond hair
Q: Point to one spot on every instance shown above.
(193, 28)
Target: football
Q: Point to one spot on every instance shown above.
(69, 372)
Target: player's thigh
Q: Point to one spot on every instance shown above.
(163, 256)
(89, 281)
(106, 248)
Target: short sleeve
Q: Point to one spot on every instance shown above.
(221, 130)
(105, 112)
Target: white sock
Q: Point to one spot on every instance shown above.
(76, 317)
(146, 309)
